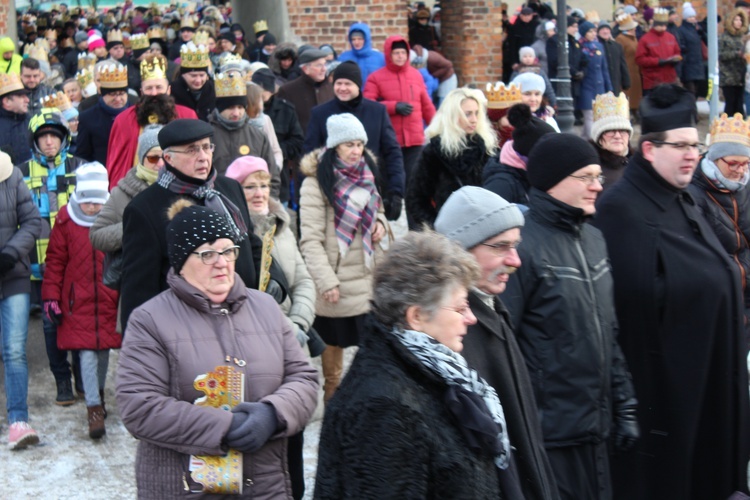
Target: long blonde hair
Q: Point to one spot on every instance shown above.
(447, 123)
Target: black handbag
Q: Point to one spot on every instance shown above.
(112, 269)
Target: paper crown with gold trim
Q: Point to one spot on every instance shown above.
(610, 113)
(200, 37)
(500, 97)
(187, 23)
(194, 56)
(84, 77)
(154, 67)
(592, 16)
(114, 36)
(156, 32)
(113, 76)
(626, 22)
(57, 100)
(730, 129)
(229, 85)
(86, 61)
(661, 15)
(139, 41)
(37, 50)
(10, 82)
(229, 58)
(259, 26)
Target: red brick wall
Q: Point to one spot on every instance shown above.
(5, 9)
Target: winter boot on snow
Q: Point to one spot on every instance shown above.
(101, 398)
(96, 422)
(65, 396)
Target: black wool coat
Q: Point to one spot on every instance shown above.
(203, 106)
(491, 348)
(679, 305)
(387, 433)
(613, 166)
(511, 183)
(618, 68)
(95, 125)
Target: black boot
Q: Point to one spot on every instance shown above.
(65, 395)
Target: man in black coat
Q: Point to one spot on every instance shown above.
(489, 228)
(618, 68)
(187, 173)
(381, 138)
(679, 304)
(194, 88)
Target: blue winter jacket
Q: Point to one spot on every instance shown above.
(14, 136)
(596, 78)
(693, 67)
(367, 58)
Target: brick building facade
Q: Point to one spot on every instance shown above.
(6, 7)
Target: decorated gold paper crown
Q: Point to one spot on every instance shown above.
(228, 58)
(84, 77)
(156, 32)
(661, 15)
(9, 82)
(200, 37)
(501, 97)
(86, 60)
(625, 22)
(261, 25)
(139, 41)
(592, 16)
(153, 68)
(187, 22)
(194, 56)
(113, 76)
(734, 129)
(57, 100)
(37, 51)
(231, 85)
(114, 36)
(608, 105)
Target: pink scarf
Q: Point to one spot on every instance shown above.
(509, 156)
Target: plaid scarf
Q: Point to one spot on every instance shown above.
(355, 205)
(211, 198)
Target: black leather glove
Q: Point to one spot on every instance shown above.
(664, 62)
(7, 263)
(252, 425)
(625, 431)
(404, 108)
(274, 290)
(392, 205)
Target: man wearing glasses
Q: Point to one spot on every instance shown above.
(311, 88)
(679, 305)
(562, 310)
(187, 172)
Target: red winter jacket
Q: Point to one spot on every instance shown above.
(652, 47)
(394, 84)
(74, 279)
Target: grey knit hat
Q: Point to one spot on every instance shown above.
(92, 183)
(722, 149)
(472, 215)
(344, 128)
(148, 140)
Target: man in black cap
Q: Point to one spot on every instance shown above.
(187, 172)
(381, 138)
(562, 310)
(680, 311)
(311, 88)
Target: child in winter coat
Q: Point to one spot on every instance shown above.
(529, 63)
(74, 296)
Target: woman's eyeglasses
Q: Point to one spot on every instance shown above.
(210, 257)
(736, 165)
(153, 159)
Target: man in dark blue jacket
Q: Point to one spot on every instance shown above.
(381, 138)
(14, 119)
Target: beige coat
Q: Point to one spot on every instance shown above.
(320, 250)
(629, 46)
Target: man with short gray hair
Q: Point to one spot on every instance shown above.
(311, 88)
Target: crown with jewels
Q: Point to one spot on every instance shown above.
(229, 58)
(730, 129)
(261, 25)
(156, 32)
(37, 50)
(113, 76)
(607, 105)
(86, 61)
(625, 22)
(10, 82)
(229, 85)
(187, 22)
(139, 41)
(153, 68)
(194, 56)
(84, 77)
(57, 100)
(114, 35)
(661, 15)
(501, 97)
(200, 37)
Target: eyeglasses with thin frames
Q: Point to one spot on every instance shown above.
(589, 179)
(502, 248)
(211, 257)
(736, 165)
(195, 150)
(683, 147)
(464, 310)
(254, 187)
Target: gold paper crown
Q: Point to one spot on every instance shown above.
(625, 22)
(156, 32)
(153, 68)
(661, 15)
(9, 82)
(194, 56)
(200, 38)
(228, 58)
(57, 100)
(187, 22)
(261, 25)
(84, 77)
(607, 105)
(592, 16)
(139, 41)
(231, 85)
(113, 76)
(501, 97)
(36, 51)
(734, 129)
(114, 36)
(86, 60)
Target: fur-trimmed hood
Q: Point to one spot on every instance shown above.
(309, 163)
(730, 18)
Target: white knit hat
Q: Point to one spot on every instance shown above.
(92, 183)
(344, 128)
(688, 10)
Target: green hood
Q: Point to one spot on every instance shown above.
(6, 44)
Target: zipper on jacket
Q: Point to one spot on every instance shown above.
(237, 361)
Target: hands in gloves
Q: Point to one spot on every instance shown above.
(392, 206)
(7, 263)
(53, 312)
(274, 290)
(404, 108)
(302, 337)
(625, 431)
(252, 425)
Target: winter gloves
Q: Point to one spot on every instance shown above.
(392, 205)
(274, 290)
(404, 108)
(302, 337)
(252, 425)
(625, 431)
(53, 312)
(7, 263)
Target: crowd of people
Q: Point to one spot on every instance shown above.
(562, 317)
